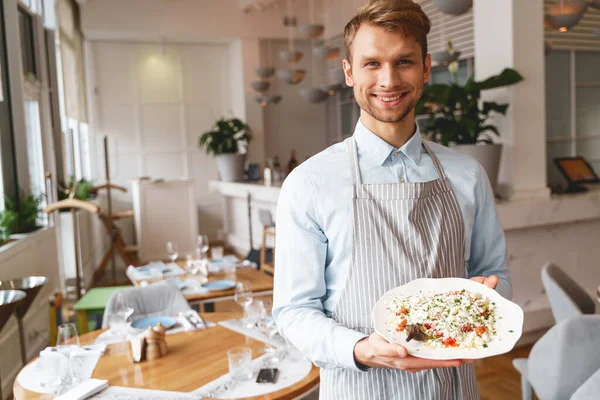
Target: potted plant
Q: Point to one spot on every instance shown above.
(457, 117)
(21, 219)
(81, 190)
(228, 141)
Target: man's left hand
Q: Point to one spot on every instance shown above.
(489, 281)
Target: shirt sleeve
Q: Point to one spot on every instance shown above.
(488, 244)
(300, 288)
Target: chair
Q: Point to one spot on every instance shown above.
(567, 298)
(267, 255)
(561, 360)
(156, 300)
(55, 315)
(590, 390)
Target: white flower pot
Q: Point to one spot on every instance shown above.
(488, 155)
(231, 167)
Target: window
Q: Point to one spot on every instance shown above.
(77, 150)
(440, 74)
(572, 104)
(35, 155)
(27, 43)
(8, 169)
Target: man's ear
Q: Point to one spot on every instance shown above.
(427, 68)
(348, 72)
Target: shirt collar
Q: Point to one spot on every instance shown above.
(378, 150)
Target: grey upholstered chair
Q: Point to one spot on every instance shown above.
(567, 298)
(149, 301)
(590, 390)
(561, 360)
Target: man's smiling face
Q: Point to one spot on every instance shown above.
(387, 72)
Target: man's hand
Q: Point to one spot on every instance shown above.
(489, 281)
(377, 352)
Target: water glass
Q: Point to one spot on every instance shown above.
(230, 271)
(118, 320)
(240, 363)
(217, 252)
(190, 265)
(82, 364)
(49, 366)
(243, 294)
(252, 314)
(172, 251)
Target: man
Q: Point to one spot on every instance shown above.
(376, 211)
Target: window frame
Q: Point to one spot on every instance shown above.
(572, 138)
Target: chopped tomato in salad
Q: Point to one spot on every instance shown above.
(452, 319)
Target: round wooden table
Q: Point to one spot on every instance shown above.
(195, 359)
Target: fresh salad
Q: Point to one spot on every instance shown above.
(460, 319)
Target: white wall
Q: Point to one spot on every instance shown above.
(295, 123)
(154, 104)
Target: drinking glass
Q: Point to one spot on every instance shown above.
(243, 296)
(172, 251)
(240, 363)
(67, 342)
(217, 252)
(118, 320)
(203, 245)
(48, 367)
(267, 325)
(190, 265)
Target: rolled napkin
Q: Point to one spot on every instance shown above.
(84, 390)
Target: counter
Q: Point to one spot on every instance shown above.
(564, 229)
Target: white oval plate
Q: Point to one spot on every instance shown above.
(510, 318)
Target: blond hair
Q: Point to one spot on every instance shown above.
(404, 16)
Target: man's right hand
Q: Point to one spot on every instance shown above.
(374, 351)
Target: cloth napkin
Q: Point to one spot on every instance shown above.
(84, 390)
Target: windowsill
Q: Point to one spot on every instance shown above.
(16, 246)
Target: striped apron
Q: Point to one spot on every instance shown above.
(402, 231)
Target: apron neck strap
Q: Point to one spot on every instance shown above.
(355, 170)
(436, 161)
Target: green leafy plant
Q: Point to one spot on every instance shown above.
(22, 218)
(226, 136)
(81, 191)
(456, 113)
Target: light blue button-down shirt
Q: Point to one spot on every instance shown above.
(314, 234)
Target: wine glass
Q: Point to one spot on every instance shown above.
(243, 296)
(172, 251)
(120, 313)
(67, 342)
(267, 325)
(203, 245)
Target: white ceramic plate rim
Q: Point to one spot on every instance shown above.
(511, 319)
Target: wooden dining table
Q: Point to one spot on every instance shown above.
(194, 359)
(260, 283)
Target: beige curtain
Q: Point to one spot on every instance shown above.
(71, 53)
